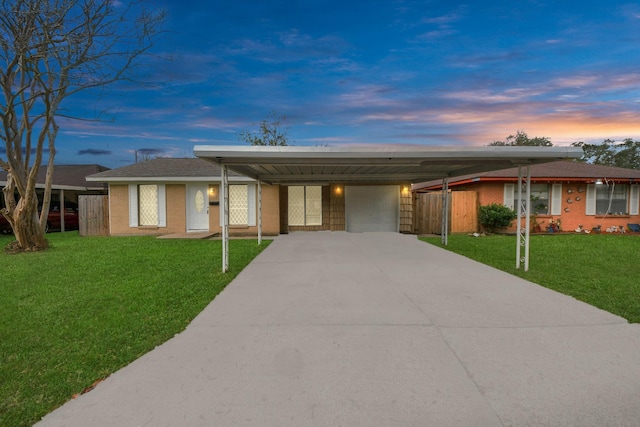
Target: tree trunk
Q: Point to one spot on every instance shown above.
(26, 228)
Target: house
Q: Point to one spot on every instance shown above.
(69, 182)
(298, 188)
(178, 195)
(169, 195)
(565, 195)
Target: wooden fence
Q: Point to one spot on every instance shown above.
(93, 215)
(463, 212)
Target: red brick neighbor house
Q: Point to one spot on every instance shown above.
(565, 195)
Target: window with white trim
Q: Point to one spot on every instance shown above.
(242, 205)
(305, 205)
(612, 199)
(540, 200)
(147, 205)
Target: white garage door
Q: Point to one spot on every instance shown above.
(372, 208)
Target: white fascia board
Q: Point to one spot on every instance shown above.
(222, 154)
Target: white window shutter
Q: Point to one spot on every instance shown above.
(634, 200)
(556, 199)
(251, 205)
(509, 195)
(162, 206)
(133, 205)
(591, 199)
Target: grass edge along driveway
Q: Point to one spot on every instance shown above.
(85, 308)
(600, 269)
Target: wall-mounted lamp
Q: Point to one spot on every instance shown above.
(213, 195)
(338, 190)
(598, 181)
(405, 190)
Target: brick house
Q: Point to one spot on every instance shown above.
(169, 195)
(567, 195)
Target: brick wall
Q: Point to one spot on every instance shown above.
(119, 211)
(176, 213)
(573, 208)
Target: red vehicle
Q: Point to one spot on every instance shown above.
(53, 220)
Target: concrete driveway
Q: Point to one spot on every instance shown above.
(377, 329)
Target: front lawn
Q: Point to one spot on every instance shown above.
(600, 269)
(88, 306)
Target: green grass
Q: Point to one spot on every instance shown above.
(602, 270)
(89, 306)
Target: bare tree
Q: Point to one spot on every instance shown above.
(268, 132)
(50, 50)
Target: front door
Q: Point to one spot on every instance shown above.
(197, 207)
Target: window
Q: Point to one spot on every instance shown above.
(238, 205)
(611, 199)
(541, 202)
(242, 205)
(305, 205)
(147, 205)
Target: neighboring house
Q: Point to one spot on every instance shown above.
(69, 182)
(570, 194)
(168, 195)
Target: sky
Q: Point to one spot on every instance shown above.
(369, 72)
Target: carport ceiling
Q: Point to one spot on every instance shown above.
(379, 164)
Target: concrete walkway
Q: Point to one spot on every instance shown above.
(377, 329)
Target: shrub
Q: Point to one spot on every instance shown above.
(495, 215)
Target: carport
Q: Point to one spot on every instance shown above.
(371, 165)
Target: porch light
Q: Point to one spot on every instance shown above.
(213, 194)
(598, 181)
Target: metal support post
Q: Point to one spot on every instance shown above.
(225, 219)
(259, 213)
(523, 208)
(444, 236)
(62, 209)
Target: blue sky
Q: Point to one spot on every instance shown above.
(371, 72)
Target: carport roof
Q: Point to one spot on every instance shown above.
(379, 164)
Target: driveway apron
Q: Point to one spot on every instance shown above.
(377, 329)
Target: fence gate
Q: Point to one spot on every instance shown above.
(93, 215)
(463, 212)
(428, 213)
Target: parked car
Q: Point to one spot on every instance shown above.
(53, 220)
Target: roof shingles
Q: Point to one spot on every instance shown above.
(164, 168)
(561, 170)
